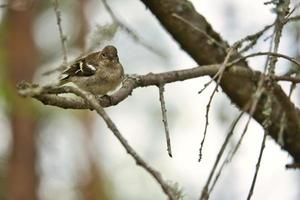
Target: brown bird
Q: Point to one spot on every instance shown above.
(99, 72)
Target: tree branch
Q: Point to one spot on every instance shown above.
(49, 95)
(204, 52)
(92, 101)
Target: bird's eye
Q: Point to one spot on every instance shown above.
(104, 55)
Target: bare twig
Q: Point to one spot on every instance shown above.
(293, 166)
(294, 18)
(63, 38)
(226, 161)
(151, 79)
(282, 11)
(219, 74)
(212, 40)
(231, 154)
(206, 122)
(266, 126)
(287, 78)
(205, 193)
(283, 119)
(164, 118)
(256, 98)
(253, 38)
(128, 30)
(92, 101)
(257, 165)
(271, 54)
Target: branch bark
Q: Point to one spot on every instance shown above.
(48, 95)
(204, 51)
(206, 47)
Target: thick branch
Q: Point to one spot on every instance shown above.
(200, 47)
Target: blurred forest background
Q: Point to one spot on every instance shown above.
(49, 153)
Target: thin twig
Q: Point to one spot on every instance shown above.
(282, 11)
(164, 118)
(151, 79)
(253, 38)
(206, 122)
(283, 120)
(293, 166)
(205, 193)
(287, 78)
(219, 74)
(259, 92)
(288, 17)
(239, 43)
(257, 165)
(294, 19)
(199, 30)
(92, 101)
(128, 30)
(252, 109)
(63, 38)
(255, 99)
(271, 54)
(154, 79)
(228, 158)
(282, 7)
(266, 125)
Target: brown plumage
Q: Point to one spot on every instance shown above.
(98, 72)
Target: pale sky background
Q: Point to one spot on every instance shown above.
(139, 116)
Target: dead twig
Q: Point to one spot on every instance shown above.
(219, 74)
(205, 193)
(91, 100)
(293, 166)
(63, 38)
(271, 54)
(211, 39)
(128, 30)
(164, 118)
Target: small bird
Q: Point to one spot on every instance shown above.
(99, 72)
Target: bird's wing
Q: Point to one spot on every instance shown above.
(79, 68)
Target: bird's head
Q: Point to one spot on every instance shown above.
(109, 54)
